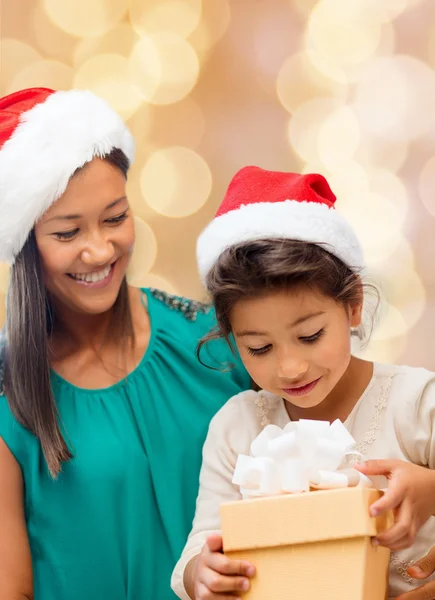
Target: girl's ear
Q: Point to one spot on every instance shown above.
(355, 315)
(356, 309)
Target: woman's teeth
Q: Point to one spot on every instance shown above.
(92, 277)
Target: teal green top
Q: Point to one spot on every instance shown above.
(114, 523)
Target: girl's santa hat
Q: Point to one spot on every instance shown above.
(45, 136)
(263, 204)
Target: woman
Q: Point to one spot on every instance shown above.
(106, 406)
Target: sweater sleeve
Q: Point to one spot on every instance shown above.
(224, 442)
(419, 424)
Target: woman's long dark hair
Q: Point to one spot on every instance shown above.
(30, 321)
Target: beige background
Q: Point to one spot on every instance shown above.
(342, 87)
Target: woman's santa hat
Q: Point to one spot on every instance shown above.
(45, 136)
(263, 204)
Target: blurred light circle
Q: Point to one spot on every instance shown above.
(405, 289)
(389, 186)
(376, 151)
(431, 45)
(339, 137)
(344, 31)
(387, 43)
(347, 177)
(15, 56)
(391, 325)
(4, 278)
(427, 185)
(55, 42)
(305, 124)
(106, 75)
(120, 40)
(329, 69)
(395, 98)
(298, 81)
(176, 16)
(184, 125)
(304, 7)
(140, 124)
(214, 23)
(387, 10)
(164, 67)
(44, 73)
(144, 252)
(151, 280)
(376, 222)
(176, 182)
(84, 18)
(384, 351)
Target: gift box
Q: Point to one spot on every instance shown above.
(304, 520)
(309, 546)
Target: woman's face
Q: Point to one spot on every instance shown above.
(86, 238)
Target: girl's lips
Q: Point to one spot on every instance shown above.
(97, 284)
(301, 390)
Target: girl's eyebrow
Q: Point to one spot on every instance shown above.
(297, 322)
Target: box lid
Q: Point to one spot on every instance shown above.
(300, 518)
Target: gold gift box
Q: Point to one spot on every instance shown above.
(310, 546)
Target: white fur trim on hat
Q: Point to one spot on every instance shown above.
(306, 221)
(53, 139)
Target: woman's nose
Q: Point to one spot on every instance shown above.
(98, 251)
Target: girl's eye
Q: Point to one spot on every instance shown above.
(258, 351)
(310, 339)
(118, 219)
(65, 235)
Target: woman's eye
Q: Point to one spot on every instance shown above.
(258, 351)
(310, 339)
(118, 219)
(65, 235)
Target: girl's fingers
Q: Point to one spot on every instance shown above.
(402, 532)
(389, 501)
(424, 567)
(225, 566)
(214, 542)
(425, 592)
(217, 583)
(203, 593)
(376, 467)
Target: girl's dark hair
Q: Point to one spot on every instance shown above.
(30, 321)
(252, 269)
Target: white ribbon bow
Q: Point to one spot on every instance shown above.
(305, 454)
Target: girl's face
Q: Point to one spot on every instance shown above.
(86, 238)
(295, 344)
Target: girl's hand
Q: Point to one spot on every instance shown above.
(410, 494)
(217, 577)
(422, 569)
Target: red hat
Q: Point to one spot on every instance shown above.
(263, 204)
(45, 136)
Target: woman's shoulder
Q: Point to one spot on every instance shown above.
(186, 308)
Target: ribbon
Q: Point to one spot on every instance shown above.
(305, 455)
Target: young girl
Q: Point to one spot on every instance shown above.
(283, 269)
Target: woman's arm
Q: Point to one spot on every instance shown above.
(16, 580)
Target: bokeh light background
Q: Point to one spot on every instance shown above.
(342, 87)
